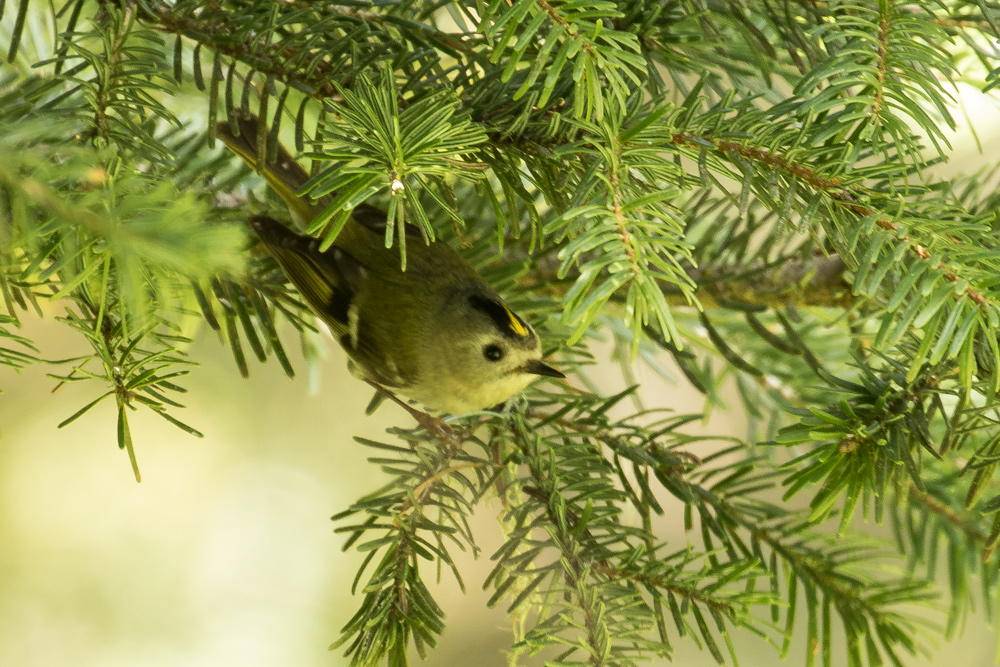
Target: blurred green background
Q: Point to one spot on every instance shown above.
(224, 554)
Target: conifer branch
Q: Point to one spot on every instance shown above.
(846, 197)
(741, 185)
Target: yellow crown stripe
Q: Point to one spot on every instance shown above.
(515, 323)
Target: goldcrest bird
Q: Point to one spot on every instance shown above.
(436, 332)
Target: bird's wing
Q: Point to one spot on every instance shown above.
(329, 281)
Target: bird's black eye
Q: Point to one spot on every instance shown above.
(493, 352)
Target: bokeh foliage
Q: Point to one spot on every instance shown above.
(743, 188)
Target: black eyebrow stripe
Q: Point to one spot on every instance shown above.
(500, 314)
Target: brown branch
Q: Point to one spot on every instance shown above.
(817, 281)
(802, 172)
(971, 530)
(962, 23)
(883, 55)
(693, 594)
(619, 216)
(421, 489)
(102, 98)
(558, 18)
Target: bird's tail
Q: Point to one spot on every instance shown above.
(283, 174)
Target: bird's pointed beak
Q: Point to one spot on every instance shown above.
(538, 367)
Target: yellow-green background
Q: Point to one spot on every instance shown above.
(224, 554)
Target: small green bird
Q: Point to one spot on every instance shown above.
(436, 332)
